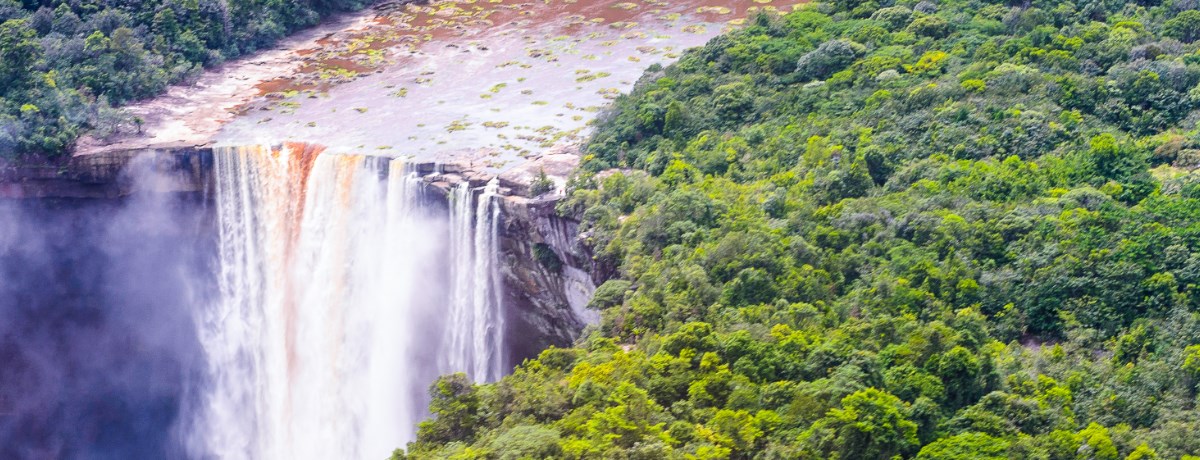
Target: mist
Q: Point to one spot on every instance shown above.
(97, 343)
(299, 308)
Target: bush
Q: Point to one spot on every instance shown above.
(526, 442)
(1184, 27)
(547, 258)
(966, 446)
(540, 185)
(896, 17)
(609, 294)
(830, 57)
(930, 26)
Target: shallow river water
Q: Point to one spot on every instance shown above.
(488, 82)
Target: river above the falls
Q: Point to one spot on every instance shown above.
(488, 83)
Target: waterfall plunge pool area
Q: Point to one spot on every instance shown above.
(298, 306)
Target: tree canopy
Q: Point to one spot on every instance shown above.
(887, 229)
(64, 65)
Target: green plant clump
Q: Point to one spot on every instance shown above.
(541, 184)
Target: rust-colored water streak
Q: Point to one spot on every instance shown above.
(301, 157)
(286, 170)
(333, 286)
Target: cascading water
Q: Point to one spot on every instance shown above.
(476, 322)
(335, 277)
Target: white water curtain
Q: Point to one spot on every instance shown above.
(344, 294)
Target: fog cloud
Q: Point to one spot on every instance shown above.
(96, 342)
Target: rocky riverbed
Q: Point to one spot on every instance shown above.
(490, 83)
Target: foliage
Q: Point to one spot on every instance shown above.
(870, 424)
(455, 404)
(831, 56)
(540, 184)
(966, 446)
(63, 65)
(547, 258)
(955, 230)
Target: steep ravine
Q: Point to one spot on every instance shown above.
(543, 272)
(548, 274)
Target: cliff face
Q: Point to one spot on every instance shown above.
(546, 274)
(546, 270)
(108, 175)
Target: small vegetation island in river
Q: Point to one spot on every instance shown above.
(863, 230)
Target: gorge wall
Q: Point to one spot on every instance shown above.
(547, 271)
(541, 274)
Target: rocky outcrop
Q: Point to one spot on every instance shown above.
(547, 272)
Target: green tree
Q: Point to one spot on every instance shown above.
(966, 446)
(19, 51)
(455, 409)
(527, 441)
(870, 424)
(1185, 26)
(831, 56)
(1191, 362)
(959, 371)
(1097, 443)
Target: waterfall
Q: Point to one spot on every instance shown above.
(336, 274)
(486, 304)
(476, 321)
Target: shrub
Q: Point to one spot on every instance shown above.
(830, 57)
(540, 185)
(930, 26)
(1185, 26)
